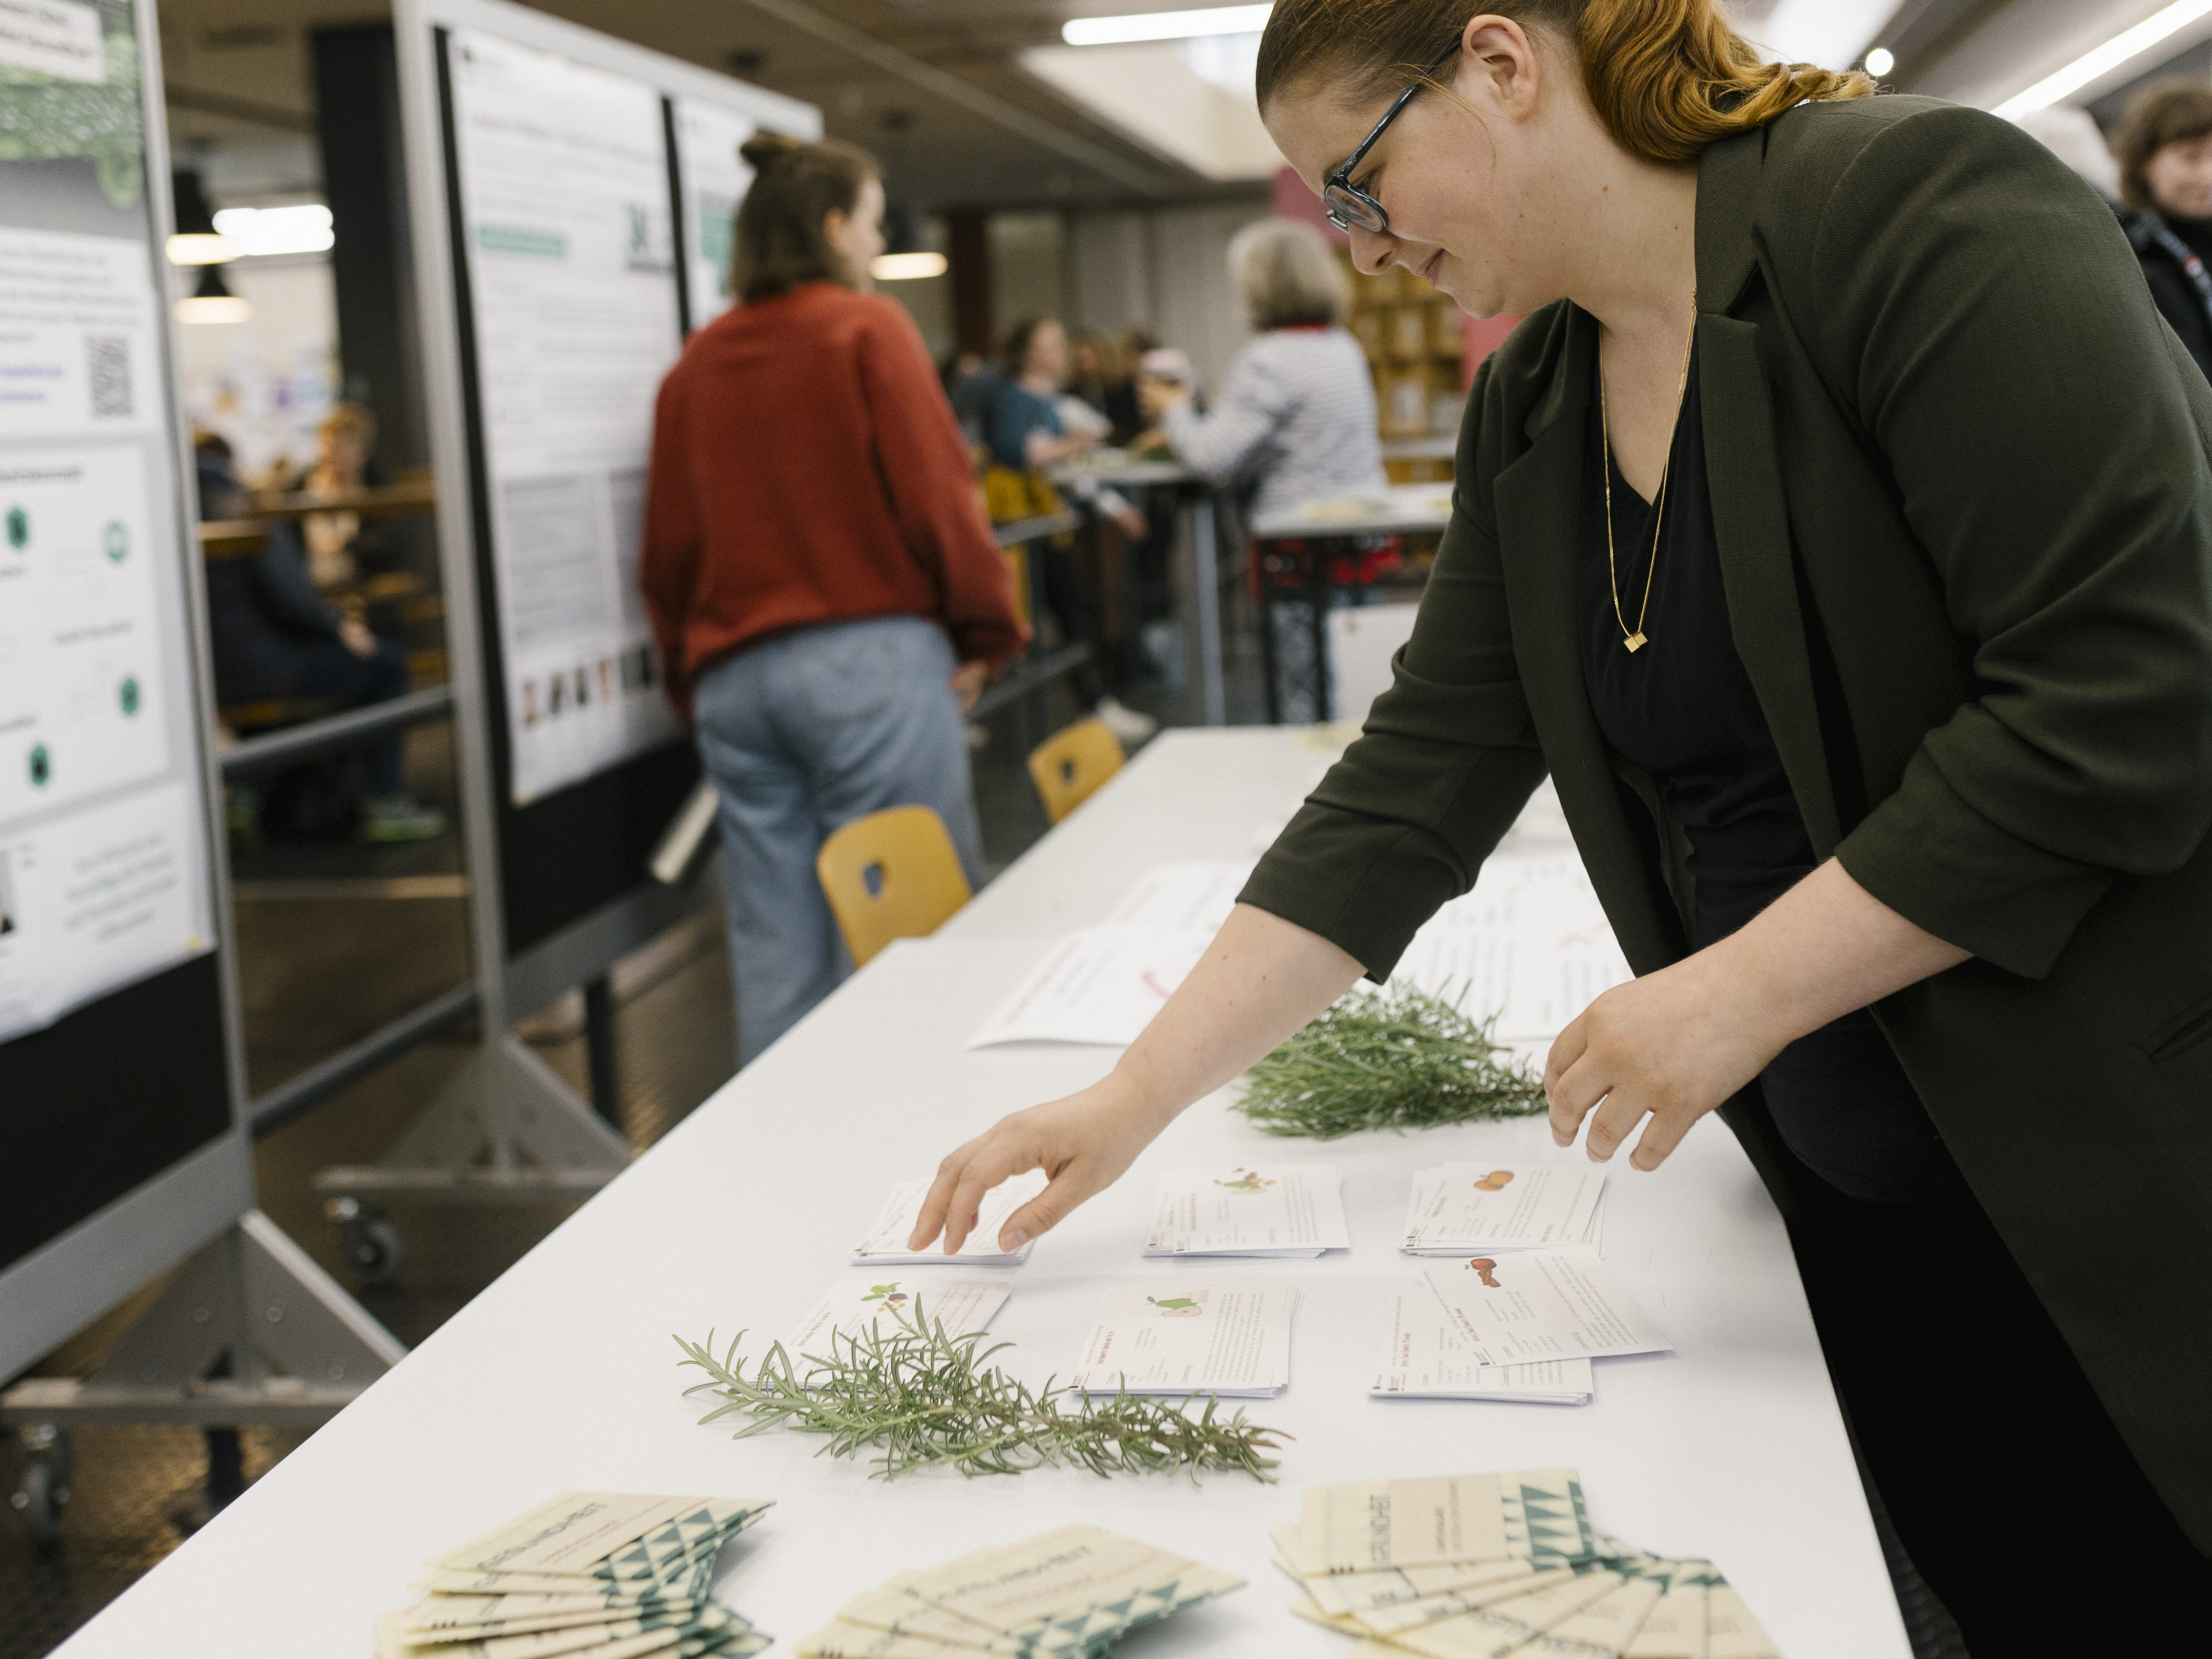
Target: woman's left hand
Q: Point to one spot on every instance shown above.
(1156, 397)
(1675, 1045)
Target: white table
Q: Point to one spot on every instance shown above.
(562, 1373)
(1401, 509)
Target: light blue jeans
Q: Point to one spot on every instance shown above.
(802, 733)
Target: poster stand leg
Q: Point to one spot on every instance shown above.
(250, 1331)
(507, 1130)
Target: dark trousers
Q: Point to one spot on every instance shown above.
(1066, 597)
(325, 668)
(2016, 1497)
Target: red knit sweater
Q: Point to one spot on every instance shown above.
(807, 469)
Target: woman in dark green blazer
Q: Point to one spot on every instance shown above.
(1878, 692)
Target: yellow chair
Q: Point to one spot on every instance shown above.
(1068, 766)
(891, 875)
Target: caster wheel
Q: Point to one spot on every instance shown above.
(41, 1494)
(373, 1249)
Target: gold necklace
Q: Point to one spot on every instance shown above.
(1635, 638)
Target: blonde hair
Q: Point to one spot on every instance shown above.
(1286, 276)
(1666, 77)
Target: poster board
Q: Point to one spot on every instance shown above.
(118, 1060)
(558, 240)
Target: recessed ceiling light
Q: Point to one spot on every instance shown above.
(2090, 65)
(1168, 25)
(213, 301)
(305, 228)
(906, 267)
(200, 248)
(1880, 62)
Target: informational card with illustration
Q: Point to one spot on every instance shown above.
(1170, 1338)
(885, 1244)
(1462, 1207)
(1260, 1209)
(1195, 896)
(1102, 985)
(962, 1306)
(1425, 1358)
(1520, 1306)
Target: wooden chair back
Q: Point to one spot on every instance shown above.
(891, 875)
(1068, 766)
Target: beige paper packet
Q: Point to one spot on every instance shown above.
(450, 1611)
(896, 1610)
(1675, 1626)
(841, 1640)
(550, 1643)
(391, 1644)
(595, 1536)
(1494, 1632)
(1072, 1588)
(1730, 1630)
(1387, 1621)
(1367, 1525)
(1601, 1630)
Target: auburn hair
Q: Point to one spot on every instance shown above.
(779, 242)
(1666, 77)
(2170, 113)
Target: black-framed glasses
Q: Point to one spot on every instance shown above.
(1351, 208)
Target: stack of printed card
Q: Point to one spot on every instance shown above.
(885, 1244)
(962, 1306)
(1075, 1591)
(1463, 1208)
(595, 1575)
(1265, 1210)
(1232, 1339)
(1486, 1566)
(1426, 1358)
(1526, 1307)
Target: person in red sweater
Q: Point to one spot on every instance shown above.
(827, 595)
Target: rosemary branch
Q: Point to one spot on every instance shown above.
(921, 1397)
(1394, 1059)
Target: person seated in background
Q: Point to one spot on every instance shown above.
(274, 638)
(1296, 418)
(2165, 184)
(338, 547)
(1028, 435)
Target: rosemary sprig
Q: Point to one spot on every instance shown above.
(921, 1397)
(1394, 1059)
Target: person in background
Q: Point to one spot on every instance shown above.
(337, 546)
(2165, 184)
(1028, 435)
(827, 597)
(1296, 417)
(2074, 137)
(273, 638)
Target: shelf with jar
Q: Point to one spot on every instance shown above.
(1412, 339)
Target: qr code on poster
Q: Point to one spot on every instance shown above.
(107, 363)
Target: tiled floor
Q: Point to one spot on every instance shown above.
(323, 962)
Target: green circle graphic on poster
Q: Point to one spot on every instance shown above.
(42, 766)
(127, 694)
(116, 539)
(19, 528)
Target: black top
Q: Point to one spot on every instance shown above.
(1681, 708)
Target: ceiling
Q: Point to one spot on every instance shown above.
(964, 108)
(935, 87)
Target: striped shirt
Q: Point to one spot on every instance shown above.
(1297, 415)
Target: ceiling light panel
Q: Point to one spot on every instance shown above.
(1166, 25)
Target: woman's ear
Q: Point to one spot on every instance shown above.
(1501, 65)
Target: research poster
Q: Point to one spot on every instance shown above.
(570, 248)
(104, 861)
(715, 179)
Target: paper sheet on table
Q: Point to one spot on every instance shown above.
(962, 1306)
(1195, 896)
(1426, 1358)
(1530, 944)
(1101, 985)
(1260, 1210)
(1523, 1306)
(1463, 1207)
(885, 1244)
(1190, 1338)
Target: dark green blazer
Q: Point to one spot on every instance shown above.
(1960, 478)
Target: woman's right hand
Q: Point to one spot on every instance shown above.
(1083, 1143)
